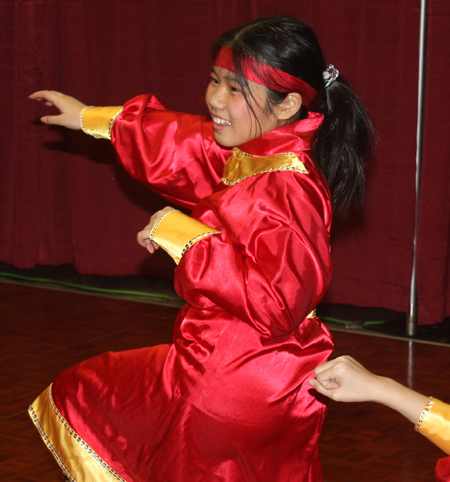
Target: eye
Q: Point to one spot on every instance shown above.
(213, 80)
(235, 90)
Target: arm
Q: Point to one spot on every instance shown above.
(172, 152)
(346, 380)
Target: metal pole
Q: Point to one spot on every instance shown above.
(412, 318)
(410, 370)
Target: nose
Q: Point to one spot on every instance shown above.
(215, 97)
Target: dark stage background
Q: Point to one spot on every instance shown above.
(64, 199)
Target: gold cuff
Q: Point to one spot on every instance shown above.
(424, 413)
(98, 121)
(435, 424)
(176, 232)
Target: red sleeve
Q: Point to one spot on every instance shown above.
(270, 265)
(442, 471)
(174, 153)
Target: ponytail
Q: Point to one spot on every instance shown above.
(343, 144)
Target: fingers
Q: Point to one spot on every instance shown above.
(55, 120)
(324, 367)
(143, 238)
(151, 246)
(69, 107)
(328, 376)
(48, 95)
(322, 385)
(342, 360)
(346, 380)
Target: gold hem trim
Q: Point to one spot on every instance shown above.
(77, 459)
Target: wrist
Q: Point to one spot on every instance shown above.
(400, 398)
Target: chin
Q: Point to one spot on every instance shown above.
(223, 142)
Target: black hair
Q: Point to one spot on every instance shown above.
(344, 142)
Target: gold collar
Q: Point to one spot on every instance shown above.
(241, 165)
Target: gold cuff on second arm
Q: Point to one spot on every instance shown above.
(177, 232)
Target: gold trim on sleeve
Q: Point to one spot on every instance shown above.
(435, 424)
(98, 121)
(241, 166)
(424, 413)
(176, 232)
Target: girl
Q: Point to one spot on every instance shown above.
(228, 400)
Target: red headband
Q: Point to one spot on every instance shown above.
(272, 78)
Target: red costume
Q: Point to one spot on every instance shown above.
(228, 400)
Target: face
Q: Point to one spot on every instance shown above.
(234, 123)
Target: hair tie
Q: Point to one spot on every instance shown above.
(330, 74)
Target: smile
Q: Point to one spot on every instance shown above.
(218, 120)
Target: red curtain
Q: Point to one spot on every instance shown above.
(434, 208)
(64, 199)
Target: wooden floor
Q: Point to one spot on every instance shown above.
(44, 331)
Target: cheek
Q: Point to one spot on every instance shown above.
(242, 114)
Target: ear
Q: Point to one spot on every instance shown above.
(289, 107)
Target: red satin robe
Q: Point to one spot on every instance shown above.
(228, 400)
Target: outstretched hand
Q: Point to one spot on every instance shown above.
(345, 380)
(69, 107)
(143, 237)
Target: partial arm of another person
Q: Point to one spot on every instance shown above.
(346, 380)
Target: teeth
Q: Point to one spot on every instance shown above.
(220, 121)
